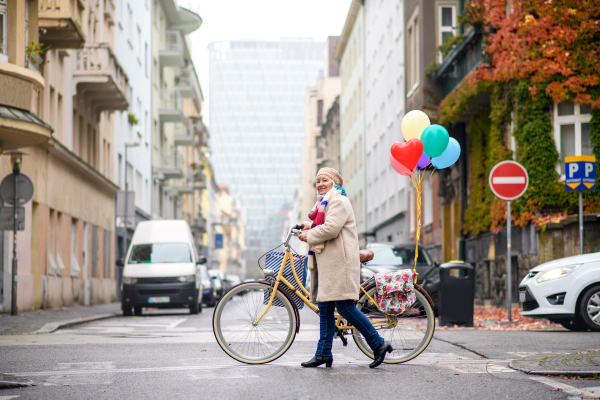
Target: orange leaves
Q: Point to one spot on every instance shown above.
(555, 43)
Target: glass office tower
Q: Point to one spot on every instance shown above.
(257, 91)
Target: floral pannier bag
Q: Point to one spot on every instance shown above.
(395, 290)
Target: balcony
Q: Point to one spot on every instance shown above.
(199, 224)
(171, 107)
(19, 125)
(61, 21)
(98, 77)
(202, 133)
(199, 180)
(185, 135)
(184, 82)
(168, 165)
(171, 54)
(461, 60)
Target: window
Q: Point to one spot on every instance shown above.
(319, 112)
(572, 131)
(160, 253)
(3, 28)
(75, 269)
(446, 25)
(413, 53)
(428, 202)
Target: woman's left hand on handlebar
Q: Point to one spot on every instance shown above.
(307, 225)
(303, 236)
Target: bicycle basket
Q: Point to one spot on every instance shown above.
(273, 262)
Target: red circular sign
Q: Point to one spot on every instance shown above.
(509, 180)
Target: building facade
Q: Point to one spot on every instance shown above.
(317, 103)
(173, 113)
(385, 106)
(69, 78)
(350, 54)
(133, 166)
(256, 105)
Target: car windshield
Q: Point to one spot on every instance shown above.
(204, 273)
(160, 253)
(398, 256)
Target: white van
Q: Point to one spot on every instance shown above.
(162, 268)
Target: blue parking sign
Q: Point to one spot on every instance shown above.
(218, 241)
(580, 173)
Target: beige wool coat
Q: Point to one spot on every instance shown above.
(336, 272)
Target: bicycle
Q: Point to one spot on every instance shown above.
(253, 332)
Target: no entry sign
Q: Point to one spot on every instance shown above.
(508, 180)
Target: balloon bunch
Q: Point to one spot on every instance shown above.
(425, 145)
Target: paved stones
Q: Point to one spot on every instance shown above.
(582, 363)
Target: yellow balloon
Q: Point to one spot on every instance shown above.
(413, 124)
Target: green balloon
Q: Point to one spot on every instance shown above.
(435, 140)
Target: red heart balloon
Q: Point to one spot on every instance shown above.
(399, 168)
(408, 153)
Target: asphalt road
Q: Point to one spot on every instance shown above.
(174, 355)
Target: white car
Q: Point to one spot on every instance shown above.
(565, 291)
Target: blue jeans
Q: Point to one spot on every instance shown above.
(350, 313)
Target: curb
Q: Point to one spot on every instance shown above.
(8, 381)
(53, 326)
(554, 372)
(558, 363)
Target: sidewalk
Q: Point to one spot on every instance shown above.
(46, 321)
(584, 363)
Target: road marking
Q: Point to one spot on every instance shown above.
(508, 179)
(588, 393)
(8, 397)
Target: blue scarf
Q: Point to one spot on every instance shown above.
(338, 187)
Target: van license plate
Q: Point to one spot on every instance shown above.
(522, 297)
(155, 300)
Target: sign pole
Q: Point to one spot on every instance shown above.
(580, 222)
(13, 298)
(508, 261)
(508, 181)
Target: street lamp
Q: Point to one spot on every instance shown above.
(16, 159)
(125, 222)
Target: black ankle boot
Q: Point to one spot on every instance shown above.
(379, 354)
(318, 360)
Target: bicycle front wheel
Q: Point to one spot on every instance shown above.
(238, 335)
(409, 333)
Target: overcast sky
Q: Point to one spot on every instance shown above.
(260, 19)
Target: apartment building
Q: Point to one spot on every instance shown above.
(132, 162)
(350, 54)
(317, 102)
(385, 102)
(177, 130)
(62, 69)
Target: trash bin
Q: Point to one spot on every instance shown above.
(456, 294)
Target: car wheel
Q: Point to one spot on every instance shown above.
(195, 308)
(574, 325)
(137, 311)
(590, 308)
(127, 311)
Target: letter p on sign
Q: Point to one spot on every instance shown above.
(573, 168)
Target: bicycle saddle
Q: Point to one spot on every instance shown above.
(365, 255)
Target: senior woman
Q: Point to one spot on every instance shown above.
(335, 268)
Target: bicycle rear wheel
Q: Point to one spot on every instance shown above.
(409, 333)
(234, 329)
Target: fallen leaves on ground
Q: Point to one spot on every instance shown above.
(491, 318)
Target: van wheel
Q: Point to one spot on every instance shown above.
(195, 308)
(137, 310)
(127, 311)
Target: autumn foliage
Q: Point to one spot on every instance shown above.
(553, 43)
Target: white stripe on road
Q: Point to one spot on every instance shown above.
(508, 179)
(587, 393)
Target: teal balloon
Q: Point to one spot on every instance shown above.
(448, 157)
(435, 140)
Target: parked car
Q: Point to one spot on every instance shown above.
(162, 268)
(209, 293)
(218, 278)
(392, 257)
(565, 291)
(234, 280)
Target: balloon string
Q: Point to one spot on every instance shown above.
(432, 173)
(417, 184)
